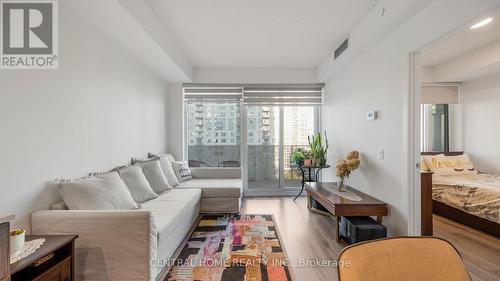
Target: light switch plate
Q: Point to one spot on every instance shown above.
(381, 154)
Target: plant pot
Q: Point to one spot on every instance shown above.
(16, 240)
(307, 162)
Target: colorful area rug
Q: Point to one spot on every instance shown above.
(232, 248)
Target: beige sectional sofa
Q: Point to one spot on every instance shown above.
(137, 244)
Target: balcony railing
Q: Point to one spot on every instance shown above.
(263, 162)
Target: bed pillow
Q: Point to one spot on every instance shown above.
(423, 162)
(137, 184)
(101, 192)
(155, 176)
(182, 171)
(451, 165)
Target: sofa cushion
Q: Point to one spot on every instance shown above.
(59, 206)
(155, 176)
(174, 212)
(102, 192)
(166, 166)
(214, 188)
(137, 183)
(169, 156)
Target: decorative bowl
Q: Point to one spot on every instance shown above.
(16, 240)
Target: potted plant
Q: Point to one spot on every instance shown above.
(17, 238)
(307, 158)
(318, 149)
(297, 157)
(345, 167)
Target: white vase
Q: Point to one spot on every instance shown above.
(17, 242)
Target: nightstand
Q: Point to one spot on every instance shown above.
(54, 260)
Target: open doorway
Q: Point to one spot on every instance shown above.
(457, 104)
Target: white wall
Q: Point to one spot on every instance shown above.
(379, 80)
(481, 104)
(96, 111)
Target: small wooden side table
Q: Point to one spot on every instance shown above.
(54, 260)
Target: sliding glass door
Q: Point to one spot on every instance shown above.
(263, 139)
(299, 122)
(273, 133)
(255, 126)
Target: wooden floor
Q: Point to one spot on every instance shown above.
(480, 252)
(308, 236)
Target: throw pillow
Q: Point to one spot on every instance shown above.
(155, 176)
(182, 171)
(102, 192)
(451, 165)
(166, 166)
(423, 162)
(137, 183)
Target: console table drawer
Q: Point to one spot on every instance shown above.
(53, 261)
(59, 272)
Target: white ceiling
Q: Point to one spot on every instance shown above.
(463, 42)
(259, 33)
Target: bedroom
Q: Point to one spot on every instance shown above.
(459, 136)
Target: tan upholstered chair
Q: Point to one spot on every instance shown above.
(402, 259)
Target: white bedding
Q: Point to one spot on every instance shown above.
(476, 194)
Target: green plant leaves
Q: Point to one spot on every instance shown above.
(318, 150)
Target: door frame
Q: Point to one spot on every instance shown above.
(412, 144)
(411, 137)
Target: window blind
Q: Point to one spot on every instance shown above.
(197, 93)
(436, 93)
(283, 94)
(258, 94)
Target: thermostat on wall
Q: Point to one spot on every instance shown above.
(371, 115)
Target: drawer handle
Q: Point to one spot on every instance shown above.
(43, 260)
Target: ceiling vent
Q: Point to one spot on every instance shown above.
(341, 48)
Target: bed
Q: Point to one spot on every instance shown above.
(470, 199)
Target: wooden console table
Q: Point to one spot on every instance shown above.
(54, 260)
(321, 199)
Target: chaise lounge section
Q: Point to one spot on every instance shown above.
(220, 189)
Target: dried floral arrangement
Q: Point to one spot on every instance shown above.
(346, 166)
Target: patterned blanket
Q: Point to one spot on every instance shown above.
(478, 195)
